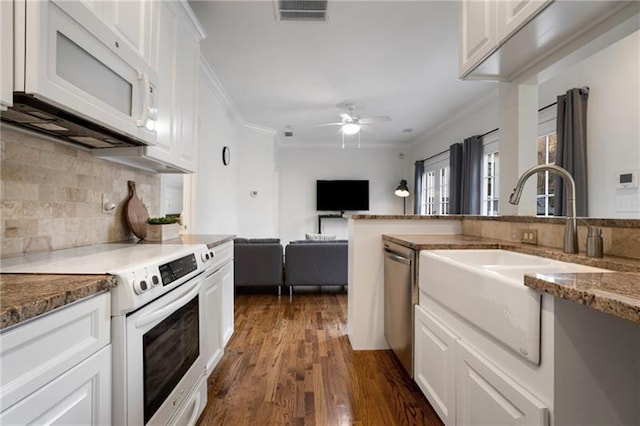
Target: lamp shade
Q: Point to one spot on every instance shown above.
(402, 190)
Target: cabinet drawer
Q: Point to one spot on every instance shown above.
(223, 254)
(35, 353)
(487, 396)
(81, 396)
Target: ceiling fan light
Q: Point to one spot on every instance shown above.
(350, 128)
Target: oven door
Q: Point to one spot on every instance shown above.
(164, 357)
(74, 61)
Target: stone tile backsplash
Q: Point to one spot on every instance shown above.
(617, 241)
(51, 195)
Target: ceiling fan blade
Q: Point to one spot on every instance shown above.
(346, 116)
(378, 119)
(329, 124)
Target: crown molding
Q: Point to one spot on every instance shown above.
(258, 128)
(464, 113)
(214, 82)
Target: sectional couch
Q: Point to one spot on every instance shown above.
(260, 262)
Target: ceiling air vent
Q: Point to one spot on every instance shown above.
(302, 10)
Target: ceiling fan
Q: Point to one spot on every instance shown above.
(352, 122)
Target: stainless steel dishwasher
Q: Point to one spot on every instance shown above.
(400, 294)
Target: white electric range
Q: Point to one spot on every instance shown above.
(157, 318)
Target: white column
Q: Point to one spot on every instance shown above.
(518, 118)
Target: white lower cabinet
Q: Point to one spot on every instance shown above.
(218, 290)
(462, 385)
(80, 396)
(435, 364)
(227, 324)
(212, 289)
(487, 396)
(56, 369)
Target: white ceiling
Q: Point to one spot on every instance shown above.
(392, 58)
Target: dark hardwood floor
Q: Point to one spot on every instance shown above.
(290, 362)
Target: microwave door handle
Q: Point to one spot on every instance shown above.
(168, 308)
(142, 121)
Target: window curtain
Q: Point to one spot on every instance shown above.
(465, 162)
(455, 178)
(418, 183)
(571, 148)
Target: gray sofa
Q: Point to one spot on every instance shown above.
(258, 262)
(316, 263)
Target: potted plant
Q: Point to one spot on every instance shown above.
(162, 228)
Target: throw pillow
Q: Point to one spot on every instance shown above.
(320, 237)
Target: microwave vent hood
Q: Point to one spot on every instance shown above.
(34, 114)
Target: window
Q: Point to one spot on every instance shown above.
(546, 147)
(430, 193)
(444, 190)
(435, 194)
(490, 175)
(546, 182)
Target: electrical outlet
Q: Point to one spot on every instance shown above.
(529, 236)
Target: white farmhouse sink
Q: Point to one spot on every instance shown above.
(486, 287)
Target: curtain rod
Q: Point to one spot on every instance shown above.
(586, 88)
(447, 150)
(548, 106)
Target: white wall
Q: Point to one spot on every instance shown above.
(215, 193)
(258, 185)
(301, 167)
(613, 126)
(220, 195)
(613, 119)
(479, 119)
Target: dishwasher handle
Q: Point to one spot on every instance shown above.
(396, 257)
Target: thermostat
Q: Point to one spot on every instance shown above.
(627, 180)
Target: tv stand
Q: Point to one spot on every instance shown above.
(328, 216)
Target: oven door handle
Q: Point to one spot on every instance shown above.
(170, 307)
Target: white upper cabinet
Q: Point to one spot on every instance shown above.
(186, 94)
(502, 40)
(133, 20)
(165, 36)
(478, 32)
(175, 53)
(513, 14)
(6, 53)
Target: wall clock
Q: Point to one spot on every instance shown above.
(226, 155)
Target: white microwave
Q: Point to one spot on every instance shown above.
(77, 80)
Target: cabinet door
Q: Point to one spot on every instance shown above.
(6, 53)
(478, 32)
(35, 353)
(513, 14)
(227, 324)
(487, 396)
(165, 63)
(435, 363)
(212, 287)
(132, 19)
(187, 64)
(80, 396)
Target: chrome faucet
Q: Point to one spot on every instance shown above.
(570, 229)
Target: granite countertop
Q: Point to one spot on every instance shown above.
(25, 296)
(616, 293)
(607, 222)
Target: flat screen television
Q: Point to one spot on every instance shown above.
(342, 195)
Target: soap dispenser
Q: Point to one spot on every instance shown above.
(594, 242)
